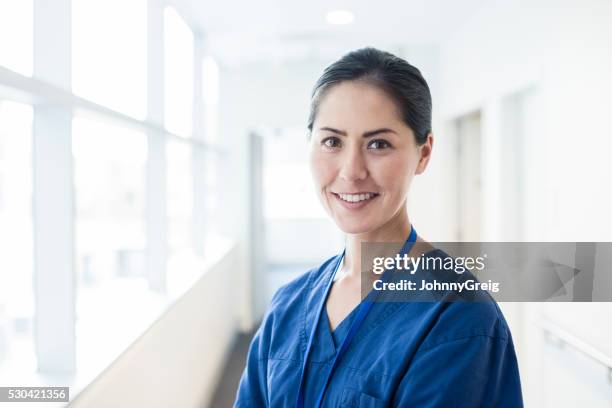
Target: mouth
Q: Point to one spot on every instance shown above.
(357, 200)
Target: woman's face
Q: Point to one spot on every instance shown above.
(363, 156)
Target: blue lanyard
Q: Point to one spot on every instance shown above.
(362, 311)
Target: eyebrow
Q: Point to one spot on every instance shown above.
(369, 133)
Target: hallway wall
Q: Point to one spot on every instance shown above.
(557, 55)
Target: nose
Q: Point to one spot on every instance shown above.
(353, 165)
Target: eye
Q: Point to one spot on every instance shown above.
(379, 144)
(331, 142)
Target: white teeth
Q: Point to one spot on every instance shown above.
(353, 198)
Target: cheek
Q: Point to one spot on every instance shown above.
(322, 170)
(393, 174)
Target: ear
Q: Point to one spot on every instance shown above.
(425, 153)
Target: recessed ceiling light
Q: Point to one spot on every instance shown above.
(340, 17)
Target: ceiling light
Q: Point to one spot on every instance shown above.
(340, 17)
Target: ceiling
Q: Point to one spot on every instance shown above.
(243, 31)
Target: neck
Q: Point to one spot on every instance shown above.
(395, 230)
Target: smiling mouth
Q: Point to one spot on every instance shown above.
(357, 197)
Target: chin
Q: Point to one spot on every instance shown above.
(354, 227)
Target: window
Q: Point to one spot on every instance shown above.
(16, 34)
(109, 53)
(109, 176)
(211, 168)
(109, 173)
(178, 74)
(16, 243)
(115, 218)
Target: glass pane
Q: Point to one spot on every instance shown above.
(16, 241)
(210, 92)
(178, 71)
(109, 53)
(211, 179)
(180, 195)
(16, 34)
(112, 287)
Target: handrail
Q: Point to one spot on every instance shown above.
(559, 336)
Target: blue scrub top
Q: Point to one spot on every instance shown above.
(406, 354)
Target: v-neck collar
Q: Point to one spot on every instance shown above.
(339, 333)
(324, 346)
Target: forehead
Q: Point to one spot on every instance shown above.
(357, 104)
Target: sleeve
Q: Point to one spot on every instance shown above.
(252, 390)
(475, 371)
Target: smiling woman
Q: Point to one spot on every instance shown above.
(321, 343)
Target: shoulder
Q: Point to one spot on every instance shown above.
(291, 293)
(462, 318)
(282, 329)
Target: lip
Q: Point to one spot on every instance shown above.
(354, 206)
(358, 192)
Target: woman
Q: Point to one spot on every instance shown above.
(320, 344)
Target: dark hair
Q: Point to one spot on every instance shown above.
(400, 80)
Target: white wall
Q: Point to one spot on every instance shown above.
(560, 53)
(563, 50)
(177, 362)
